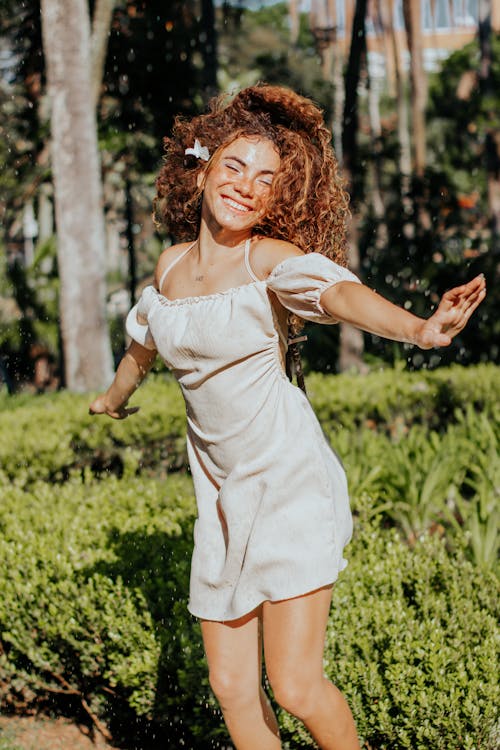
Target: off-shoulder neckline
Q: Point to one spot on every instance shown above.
(201, 297)
(231, 290)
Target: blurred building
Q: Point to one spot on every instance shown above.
(447, 25)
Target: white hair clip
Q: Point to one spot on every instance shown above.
(201, 152)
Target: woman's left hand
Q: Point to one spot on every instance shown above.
(100, 406)
(452, 314)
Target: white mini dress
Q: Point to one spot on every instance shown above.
(273, 508)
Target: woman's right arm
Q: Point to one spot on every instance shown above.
(133, 368)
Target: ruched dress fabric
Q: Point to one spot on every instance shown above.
(273, 508)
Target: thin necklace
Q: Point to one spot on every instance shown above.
(201, 277)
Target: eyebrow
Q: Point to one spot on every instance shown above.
(243, 164)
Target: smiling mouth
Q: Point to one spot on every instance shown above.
(235, 205)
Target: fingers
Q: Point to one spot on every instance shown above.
(132, 410)
(456, 307)
(464, 291)
(462, 298)
(123, 412)
(97, 406)
(475, 299)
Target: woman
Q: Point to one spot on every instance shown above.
(253, 186)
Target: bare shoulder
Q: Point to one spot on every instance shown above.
(168, 256)
(267, 253)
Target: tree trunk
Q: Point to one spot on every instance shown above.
(323, 24)
(375, 164)
(351, 339)
(101, 22)
(338, 102)
(294, 16)
(357, 54)
(492, 141)
(77, 188)
(352, 343)
(386, 11)
(413, 22)
(209, 49)
(129, 218)
(418, 92)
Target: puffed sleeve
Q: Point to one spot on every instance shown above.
(299, 282)
(140, 332)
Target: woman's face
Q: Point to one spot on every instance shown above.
(237, 188)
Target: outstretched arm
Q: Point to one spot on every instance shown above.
(357, 304)
(133, 368)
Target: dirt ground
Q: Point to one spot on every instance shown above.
(34, 733)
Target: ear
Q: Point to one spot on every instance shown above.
(200, 179)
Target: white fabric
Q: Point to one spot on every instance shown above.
(300, 281)
(139, 331)
(273, 510)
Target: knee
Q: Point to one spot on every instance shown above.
(228, 686)
(296, 694)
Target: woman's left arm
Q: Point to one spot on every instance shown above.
(354, 303)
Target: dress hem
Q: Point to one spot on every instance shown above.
(294, 595)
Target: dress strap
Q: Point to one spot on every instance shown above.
(247, 259)
(174, 262)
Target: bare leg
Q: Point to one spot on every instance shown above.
(234, 655)
(294, 635)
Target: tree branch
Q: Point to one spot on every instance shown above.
(68, 690)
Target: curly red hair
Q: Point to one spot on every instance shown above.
(309, 206)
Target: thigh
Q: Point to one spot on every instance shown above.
(234, 653)
(294, 635)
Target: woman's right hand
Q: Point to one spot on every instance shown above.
(99, 406)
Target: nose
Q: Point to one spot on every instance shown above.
(244, 185)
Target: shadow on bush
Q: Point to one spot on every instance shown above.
(157, 564)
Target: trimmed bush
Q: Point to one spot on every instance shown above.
(392, 400)
(93, 600)
(413, 643)
(96, 560)
(47, 436)
(51, 435)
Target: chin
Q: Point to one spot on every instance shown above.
(237, 223)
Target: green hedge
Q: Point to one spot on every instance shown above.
(93, 597)
(392, 399)
(47, 436)
(95, 542)
(93, 594)
(384, 426)
(413, 643)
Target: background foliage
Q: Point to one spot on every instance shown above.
(157, 66)
(95, 541)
